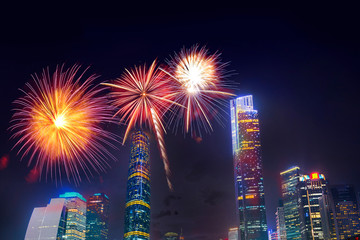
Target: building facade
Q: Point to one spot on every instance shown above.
(345, 218)
(171, 236)
(290, 179)
(47, 222)
(248, 169)
(280, 222)
(233, 234)
(311, 188)
(137, 208)
(75, 216)
(97, 217)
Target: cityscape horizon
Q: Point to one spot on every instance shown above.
(268, 156)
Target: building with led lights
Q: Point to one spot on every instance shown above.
(75, 205)
(280, 222)
(344, 212)
(248, 169)
(47, 222)
(233, 234)
(311, 188)
(97, 217)
(290, 179)
(171, 236)
(137, 208)
(272, 235)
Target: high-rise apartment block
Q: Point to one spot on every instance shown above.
(97, 217)
(248, 169)
(137, 208)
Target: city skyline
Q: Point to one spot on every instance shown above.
(300, 68)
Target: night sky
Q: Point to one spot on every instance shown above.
(300, 63)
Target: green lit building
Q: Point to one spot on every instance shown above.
(290, 179)
(97, 217)
(137, 208)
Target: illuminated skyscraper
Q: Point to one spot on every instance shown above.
(97, 217)
(311, 188)
(47, 222)
(289, 182)
(75, 216)
(344, 212)
(248, 169)
(137, 208)
(280, 222)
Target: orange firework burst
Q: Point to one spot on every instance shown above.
(201, 89)
(58, 121)
(143, 96)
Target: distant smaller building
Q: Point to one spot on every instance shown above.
(233, 234)
(272, 235)
(47, 222)
(171, 236)
(97, 217)
(280, 222)
(345, 217)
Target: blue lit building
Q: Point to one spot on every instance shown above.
(137, 208)
(97, 217)
(248, 169)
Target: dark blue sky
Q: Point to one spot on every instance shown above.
(301, 63)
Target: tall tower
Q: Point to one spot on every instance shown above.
(97, 217)
(137, 208)
(290, 179)
(47, 222)
(75, 216)
(248, 169)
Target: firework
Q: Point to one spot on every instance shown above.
(143, 96)
(58, 124)
(200, 88)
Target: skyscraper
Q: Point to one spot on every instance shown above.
(344, 212)
(248, 169)
(137, 208)
(290, 179)
(280, 222)
(311, 188)
(47, 222)
(75, 216)
(97, 217)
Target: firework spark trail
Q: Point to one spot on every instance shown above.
(143, 96)
(199, 88)
(58, 124)
(160, 138)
